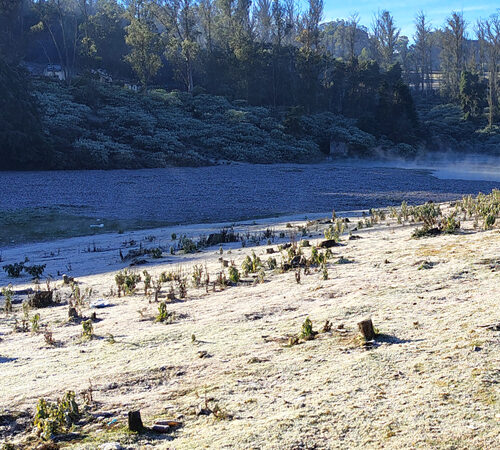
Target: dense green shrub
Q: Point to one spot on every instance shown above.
(93, 125)
(23, 145)
(55, 418)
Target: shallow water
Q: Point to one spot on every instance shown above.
(227, 192)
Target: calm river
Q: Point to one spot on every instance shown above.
(229, 193)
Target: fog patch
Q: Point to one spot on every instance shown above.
(445, 165)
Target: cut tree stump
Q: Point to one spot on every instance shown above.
(72, 313)
(135, 421)
(366, 329)
(41, 299)
(329, 243)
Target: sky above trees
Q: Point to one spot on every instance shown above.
(404, 11)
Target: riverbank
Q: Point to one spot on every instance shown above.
(429, 380)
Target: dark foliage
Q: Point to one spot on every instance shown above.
(22, 144)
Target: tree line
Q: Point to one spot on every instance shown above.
(267, 52)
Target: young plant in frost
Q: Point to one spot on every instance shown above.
(164, 316)
(126, 282)
(78, 297)
(221, 280)
(262, 275)
(333, 232)
(147, 282)
(405, 212)
(35, 323)
(55, 418)
(428, 214)
(7, 293)
(272, 264)
(166, 277)
(450, 224)
(251, 264)
(234, 274)
(307, 333)
(87, 329)
(187, 245)
(324, 272)
(297, 276)
(157, 284)
(182, 286)
(24, 326)
(119, 280)
(196, 275)
(49, 338)
(489, 221)
(155, 253)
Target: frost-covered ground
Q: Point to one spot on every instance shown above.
(432, 381)
(45, 205)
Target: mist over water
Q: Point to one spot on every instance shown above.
(228, 193)
(449, 166)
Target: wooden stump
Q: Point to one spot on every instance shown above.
(135, 421)
(41, 299)
(329, 243)
(366, 329)
(72, 313)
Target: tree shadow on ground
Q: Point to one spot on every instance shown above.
(382, 338)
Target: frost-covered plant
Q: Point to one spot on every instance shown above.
(221, 280)
(307, 333)
(234, 274)
(428, 214)
(164, 316)
(126, 282)
(182, 286)
(251, 264)
(196, 275)
(449, 224)
(7, 293)
(272, 263)
(405, 212)
(54, 418)
(155, 253)
(147, 281)
(187, 245)
(35, 323)
(87, 329)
